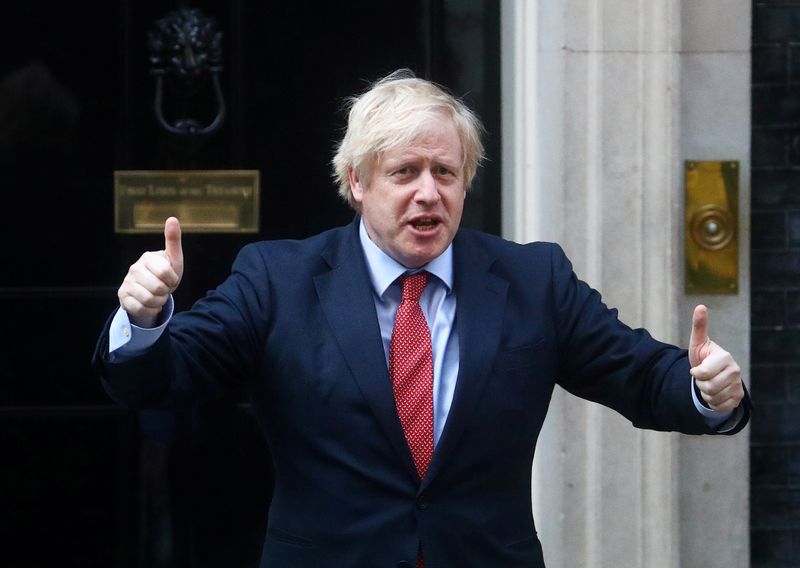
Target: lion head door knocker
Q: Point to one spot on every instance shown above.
(186, 60)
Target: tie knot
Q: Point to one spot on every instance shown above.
(413, 285)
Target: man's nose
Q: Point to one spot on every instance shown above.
(427, 189)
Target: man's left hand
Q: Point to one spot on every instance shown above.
(717, 375)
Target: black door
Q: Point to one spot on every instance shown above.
(84, 482)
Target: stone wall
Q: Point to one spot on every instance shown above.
(603, 100)
(775, 442)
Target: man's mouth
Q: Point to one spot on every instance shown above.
(425, 224)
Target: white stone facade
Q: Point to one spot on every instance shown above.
(603, 100)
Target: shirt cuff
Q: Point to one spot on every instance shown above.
(128, 340)
(713, 418)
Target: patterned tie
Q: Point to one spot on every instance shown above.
(411, 369)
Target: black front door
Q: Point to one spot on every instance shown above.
(84, 482)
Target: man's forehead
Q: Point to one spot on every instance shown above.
(414, 152)
(426, 144)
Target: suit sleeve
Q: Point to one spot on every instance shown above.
(208, 349)
(603, 360)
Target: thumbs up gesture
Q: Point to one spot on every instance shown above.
(716, 374)
(152, 278)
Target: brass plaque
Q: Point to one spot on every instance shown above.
(205, 201)
(711, 235)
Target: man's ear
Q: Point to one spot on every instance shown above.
(356, 187)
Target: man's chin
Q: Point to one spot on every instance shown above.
(417, 258)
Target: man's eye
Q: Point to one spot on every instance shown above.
(404, 171)
(442, 171)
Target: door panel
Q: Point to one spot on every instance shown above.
(85, 482)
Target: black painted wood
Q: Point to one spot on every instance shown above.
(84, 482)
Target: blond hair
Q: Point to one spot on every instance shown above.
(394, 112)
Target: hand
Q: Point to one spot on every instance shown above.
(150, 281)
(716, 374)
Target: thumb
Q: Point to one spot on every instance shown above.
(699, 345)
(172, 244)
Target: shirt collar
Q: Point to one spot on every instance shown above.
(383, 269)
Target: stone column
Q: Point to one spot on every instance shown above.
(593, 158)
(715, 125)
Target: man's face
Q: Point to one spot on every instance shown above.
(412, 202)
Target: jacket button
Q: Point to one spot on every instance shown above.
(422, 502)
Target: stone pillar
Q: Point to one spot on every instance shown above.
(593, 153)
(715, 125)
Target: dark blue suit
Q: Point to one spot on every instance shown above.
(296, 323)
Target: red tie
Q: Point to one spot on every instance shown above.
(411, 369)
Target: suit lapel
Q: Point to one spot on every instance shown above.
(480, 305)
(346, 297)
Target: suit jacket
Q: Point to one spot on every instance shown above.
(296, 323)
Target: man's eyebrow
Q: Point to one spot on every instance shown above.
(401, 160)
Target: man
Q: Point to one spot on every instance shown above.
(401, 367)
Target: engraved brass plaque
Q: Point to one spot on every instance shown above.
(711, 239)
(205, 201)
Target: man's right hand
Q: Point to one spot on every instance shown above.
(152, 278)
